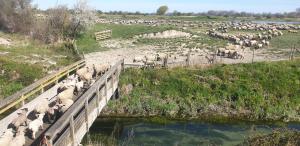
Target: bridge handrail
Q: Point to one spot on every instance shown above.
(63, 121)
(38, 86)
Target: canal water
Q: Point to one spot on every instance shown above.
(145, 132)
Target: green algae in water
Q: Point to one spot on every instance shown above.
(145, 132)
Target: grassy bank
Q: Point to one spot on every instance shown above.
(281, 137)
(259, 91)
(26, 60)
(17, 76)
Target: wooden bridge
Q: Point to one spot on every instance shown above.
(71, 127)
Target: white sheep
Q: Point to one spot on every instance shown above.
(139, 59)
(6, 137)
(100, 68)
(82, 71)
(21, 119)
(19, 140)
(36, 124)
(65, 104)
(79, 86)
(42, 107)
(67, 94)
(150, 58)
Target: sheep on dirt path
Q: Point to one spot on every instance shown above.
(21, 119)
(36, 124)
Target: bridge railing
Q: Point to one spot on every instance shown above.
(38, 87)
(75, 122)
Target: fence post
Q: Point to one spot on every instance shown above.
(106, 90)
(112, 82)
(86, 106)
(98, 100)
(73, 137)
(188, 59)
(165, 63)
(123, 65)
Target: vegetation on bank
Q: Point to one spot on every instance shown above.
(281, 137)
(259, 91)
(16, 76)
(286, 41)
(28, 60)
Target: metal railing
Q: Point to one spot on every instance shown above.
(38, 87)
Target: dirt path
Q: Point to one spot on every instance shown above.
(197, 58)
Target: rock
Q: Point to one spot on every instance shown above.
(5, 42)
(14, 75)
(127, 89)
(4, 53)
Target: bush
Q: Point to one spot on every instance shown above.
(16, 16)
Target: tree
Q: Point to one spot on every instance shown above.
(162, 10)
(16, 15)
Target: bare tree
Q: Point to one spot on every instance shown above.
(16, 15)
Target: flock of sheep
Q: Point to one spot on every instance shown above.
(50, 111)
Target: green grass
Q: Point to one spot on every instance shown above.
(269, 90)
(23, 50)
(87, 43)
(286, 41)
(27, 75)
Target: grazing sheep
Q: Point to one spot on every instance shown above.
(19, 140)
(67, 94)
(161, 56)
(6, 137)
(21, 119)
(151, 58)
(65, 104)
(42, 107)
(138, 59)
(36, 124)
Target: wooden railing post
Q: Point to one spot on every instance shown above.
(112, 82)
(42, 90)
(98, 100)
(72, 131)
(86, 106)
(106, 90)
(23, 101)
(123, 65)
